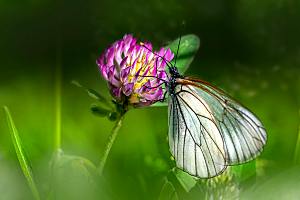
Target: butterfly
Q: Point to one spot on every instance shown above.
(208, 129)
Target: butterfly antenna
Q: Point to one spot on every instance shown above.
(177, 50)
(176, 56)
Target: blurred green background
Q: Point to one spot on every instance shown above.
(251, 49)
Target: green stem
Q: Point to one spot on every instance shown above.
(110, 142)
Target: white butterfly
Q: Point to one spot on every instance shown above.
(208, 130)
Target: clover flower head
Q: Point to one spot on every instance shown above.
(134, 72)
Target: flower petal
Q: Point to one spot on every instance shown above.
(127, 89)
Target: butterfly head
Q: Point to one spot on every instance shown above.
(174, 72)
(173, 79)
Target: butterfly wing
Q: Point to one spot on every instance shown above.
(194, 139)
(212, 129)
(243, 133)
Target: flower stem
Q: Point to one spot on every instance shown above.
(110, 142)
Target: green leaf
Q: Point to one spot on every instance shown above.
(168, 192)
(104, 112)
(187, 181)
(92, 93)
(159, 104)
(74, 177)
(27, 171)
(244, 172)
(62, 160)
(100, 111)
(113, 116)
(189, 46)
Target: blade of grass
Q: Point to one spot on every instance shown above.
(297, 149)
(57, 136)
(21, 154)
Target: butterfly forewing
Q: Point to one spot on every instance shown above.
(194, 138)
(243, 133)
(208, 130)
